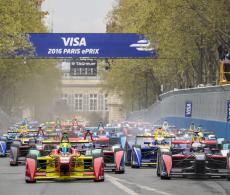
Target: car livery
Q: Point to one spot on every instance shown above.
(66, 163)
(186, 158)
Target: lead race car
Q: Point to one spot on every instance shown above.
(193, 158)
(66, 163)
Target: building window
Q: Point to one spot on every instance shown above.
(100, 100)
(78, 99)
(93, 102)
(65, 75)
(64, 98)
(106, 101)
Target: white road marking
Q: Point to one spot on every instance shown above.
(114, 181)
(146, 187)
(216, 186)
(117, 181)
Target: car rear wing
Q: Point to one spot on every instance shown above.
(181, 142)
(71, 141)
(169, 136)
(146, 136)
(20, 131)
(209, 142)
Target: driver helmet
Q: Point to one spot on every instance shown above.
(196, 146)
(39, 128)
(200, 134)
(65, 148)
(101, 131)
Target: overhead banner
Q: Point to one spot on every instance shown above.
(188, 109)
(91, 45)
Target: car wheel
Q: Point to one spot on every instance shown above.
(120, 172)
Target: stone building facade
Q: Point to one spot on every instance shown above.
(85, 97)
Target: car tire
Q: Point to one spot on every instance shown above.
(160, 171)
(118, 171)
(28, 181)
(132, 164)
(14, 163)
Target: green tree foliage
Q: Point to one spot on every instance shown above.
(24, 83)
(186, 34)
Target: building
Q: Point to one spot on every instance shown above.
(84, 96)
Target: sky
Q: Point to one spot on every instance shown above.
(78, 16)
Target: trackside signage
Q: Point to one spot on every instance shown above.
(188, 109)
(91, 45)
(228, 111)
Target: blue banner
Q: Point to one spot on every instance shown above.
(91, 45)
(228, 111)
(188, 109)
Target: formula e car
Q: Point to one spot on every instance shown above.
(113, 148)
(102, 131)
(113, 153)
(3, 151)
(42, 144)
(144, 151)
(19, 149)
(28, 145)
(5, 142)
(193, 159)
(66, 163)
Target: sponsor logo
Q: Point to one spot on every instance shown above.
(142, 45)
(74, 41)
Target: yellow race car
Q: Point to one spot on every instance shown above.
(68, 162)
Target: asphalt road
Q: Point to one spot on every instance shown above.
(133, 182)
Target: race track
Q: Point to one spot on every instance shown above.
(133, 182)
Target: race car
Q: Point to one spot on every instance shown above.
(3, 148)
(112, 145)
(66, 163)
(144, 151)
(19, 149)
(42, 144)
(5, 142)
(27, 144)
(113, 153)
(199, 159)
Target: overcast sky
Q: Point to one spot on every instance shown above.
(78, 16)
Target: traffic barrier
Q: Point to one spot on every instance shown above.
(207, 106)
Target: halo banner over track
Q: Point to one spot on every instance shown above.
(91, 45)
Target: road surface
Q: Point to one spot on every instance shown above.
(133, 182)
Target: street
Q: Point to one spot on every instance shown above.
(133, 182)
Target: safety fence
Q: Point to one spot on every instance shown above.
(208, 107)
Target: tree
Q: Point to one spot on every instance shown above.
(186, 35)
(24, 83)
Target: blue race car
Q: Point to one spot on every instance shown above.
(3, 151)
(5, 142)
(143, 152)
